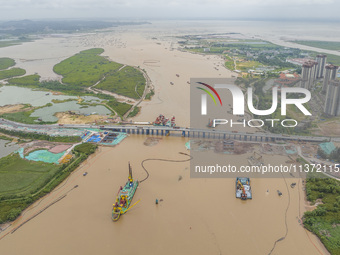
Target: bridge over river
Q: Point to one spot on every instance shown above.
(168, 131)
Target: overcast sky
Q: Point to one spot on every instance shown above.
(155, 9)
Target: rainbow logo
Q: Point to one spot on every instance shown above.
(209, 93)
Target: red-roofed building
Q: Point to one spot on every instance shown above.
(287, 79)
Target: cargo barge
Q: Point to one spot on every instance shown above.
(243, 188)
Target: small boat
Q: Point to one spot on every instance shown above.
(171, 83)
(243, 188)
(124, 197)
(279, 193)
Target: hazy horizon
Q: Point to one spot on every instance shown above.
(304, 10)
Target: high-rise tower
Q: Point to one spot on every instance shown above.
(332, 104)
(330, 74)
(309, 73)
(321, 59)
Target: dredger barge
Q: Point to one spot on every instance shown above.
(124, 197)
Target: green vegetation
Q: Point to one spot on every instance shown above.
(263, 101)
(279, 61)
(3, 137)
(71, 90)
(36, 136)
(128, 82)
(134, 112)
(221, 47)
(229, 63)
(85, 68)
(250, 54)
(246, 65)
(25, 116)
(22, 182)
(321, 44)
(6, 63)
(85, 148)
(149, 95)
(18, 41)
(335, 155)
(17, 174)
(22, 117)
(58, 101)
(120, 108)
(333, 59)
(324, 221)
(28, 80)
(5, 74)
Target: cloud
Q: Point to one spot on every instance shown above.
(146, 3)
(16, 9)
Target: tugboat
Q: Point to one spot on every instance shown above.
(124, 197)
(243, 188)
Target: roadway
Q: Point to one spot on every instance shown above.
(191, 132)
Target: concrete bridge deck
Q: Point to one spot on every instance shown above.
(174, 131)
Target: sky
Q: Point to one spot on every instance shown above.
(170, 9)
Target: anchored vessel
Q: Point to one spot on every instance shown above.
(243, 188)
(124, 197)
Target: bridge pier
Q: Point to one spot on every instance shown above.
(148, 131)
(162, 132)
(183, 133)
(157, 132)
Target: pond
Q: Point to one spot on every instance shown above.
(46, 113)
(10, 95)
(7, 149)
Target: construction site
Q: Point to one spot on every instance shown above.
(48, 152)
(161, 120)
(61, 152)
(256, 150)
